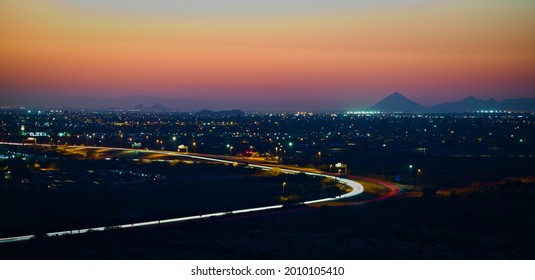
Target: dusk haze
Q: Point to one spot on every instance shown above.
(339, 53)
(260, 139)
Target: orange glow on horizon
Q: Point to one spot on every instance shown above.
(451, 46)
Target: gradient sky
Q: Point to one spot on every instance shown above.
(269, 51)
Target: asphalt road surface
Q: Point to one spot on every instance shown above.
(356, 187)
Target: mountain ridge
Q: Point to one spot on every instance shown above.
(397, 102)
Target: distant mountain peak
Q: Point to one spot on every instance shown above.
(397, 102)
(396, 95)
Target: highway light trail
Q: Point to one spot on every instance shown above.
(393, 189)
(356, 189)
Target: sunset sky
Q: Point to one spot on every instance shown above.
(269, 51)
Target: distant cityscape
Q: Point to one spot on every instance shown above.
(267, 130)
(267, 133)
(103, 170)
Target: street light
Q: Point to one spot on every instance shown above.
(410, 166)
(319, 159)
(283, 187)
(194, 144)
(419, 170)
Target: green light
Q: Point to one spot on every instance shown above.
(290, 144)
(228, 145)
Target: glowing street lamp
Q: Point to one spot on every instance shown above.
(419, 171)
(283, 187)
(319, 159)
(410, 166)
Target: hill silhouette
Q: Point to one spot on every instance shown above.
(397, 102)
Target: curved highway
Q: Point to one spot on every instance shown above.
(356, 187)
(393, 190)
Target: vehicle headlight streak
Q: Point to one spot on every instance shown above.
(356, 189)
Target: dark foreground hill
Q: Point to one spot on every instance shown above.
(478, 224)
